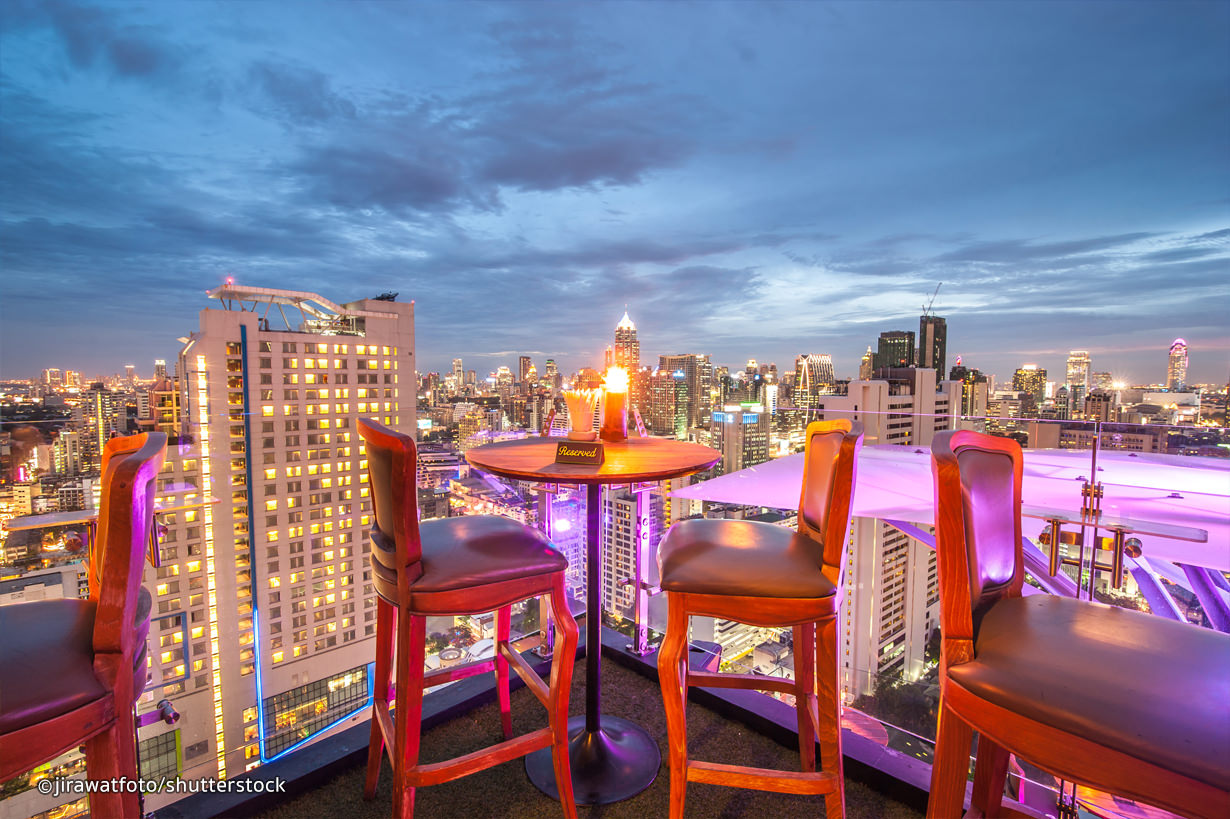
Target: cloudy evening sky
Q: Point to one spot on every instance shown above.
(755, 180)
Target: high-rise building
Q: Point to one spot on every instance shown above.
(975, 391)
(52, 377)
(697, 372)
(866, 365)
(1176, 368)
(668, 404)
(627, 347)
(160, 369)
(1031, 379)
(1078, 379)
(99, 417)
(524, 365)
(1101, 381)
(269, 570)
(552, 374)
(741, 433)
(813, 377)
(933, 344)
(895, 349)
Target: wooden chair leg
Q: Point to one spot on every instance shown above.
(828, 711)
(567, 635)
(111, 755)
(805, 692)
(672, 674)
(411, 650)
(990, 770)
(950, 766)
(503, 630)
(385, 616)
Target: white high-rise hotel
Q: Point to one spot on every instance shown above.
(272, 573)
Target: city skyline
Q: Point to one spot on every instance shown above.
(753, 181)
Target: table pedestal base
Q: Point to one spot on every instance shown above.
(614, 763)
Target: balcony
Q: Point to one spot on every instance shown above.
(1162, 515)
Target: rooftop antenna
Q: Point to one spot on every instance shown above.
(927, 306)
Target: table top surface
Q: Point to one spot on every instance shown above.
(634, 459)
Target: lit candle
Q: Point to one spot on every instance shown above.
(615, 406)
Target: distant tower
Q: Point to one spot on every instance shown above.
(1031, 379)
(627, 348)
(459, 373)
(933, 344)
(866, 366)
(896, 349)
(1176, 372)
(160, 369)
(813, 377)
(1078, 378)
(524, 365)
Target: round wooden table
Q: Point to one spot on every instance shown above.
(612, 758)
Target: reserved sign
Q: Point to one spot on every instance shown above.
(579, 452)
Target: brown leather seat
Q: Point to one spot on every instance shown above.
(48, 668)
(470, 551)
(1093, 670)
(1124, 702)
(742, 558)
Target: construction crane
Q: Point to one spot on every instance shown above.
(927, 306)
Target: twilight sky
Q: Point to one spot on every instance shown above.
(755, 180)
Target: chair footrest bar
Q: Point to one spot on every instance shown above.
(450, 769)
(762, 779)
(457, 672)
(527, 674)
(710, 679)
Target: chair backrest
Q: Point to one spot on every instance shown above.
(119, 445)
(124, 523)
(830, 465)
(977, 527)
(391, 478)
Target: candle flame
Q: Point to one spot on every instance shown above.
(616, 379)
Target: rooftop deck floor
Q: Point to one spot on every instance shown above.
(505, 791)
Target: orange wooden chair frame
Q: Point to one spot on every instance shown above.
(400, 623)
(106, 725)
(1066, 755)
(825, 517)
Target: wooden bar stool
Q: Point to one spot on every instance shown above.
(72, 670)
(768, 576)
(465, 565)
(1117, 700)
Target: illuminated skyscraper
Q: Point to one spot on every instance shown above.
(866, 365)
(1078, 379)
(1176, 370)
(524, 365)
(271, 573)
(627, 348)
(933, 344)
(1031, 379)
(698, 374)
(741, 434)
(813, 377)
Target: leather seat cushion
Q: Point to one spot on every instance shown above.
(47, 647)
(1153, 688)
(741, 558)
(476, 550)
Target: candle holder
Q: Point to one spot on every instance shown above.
(581, 405)
(615, 406)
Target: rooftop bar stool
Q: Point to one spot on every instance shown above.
(72, 670)
(769, 576)
(451, 566)
(1117, 700)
